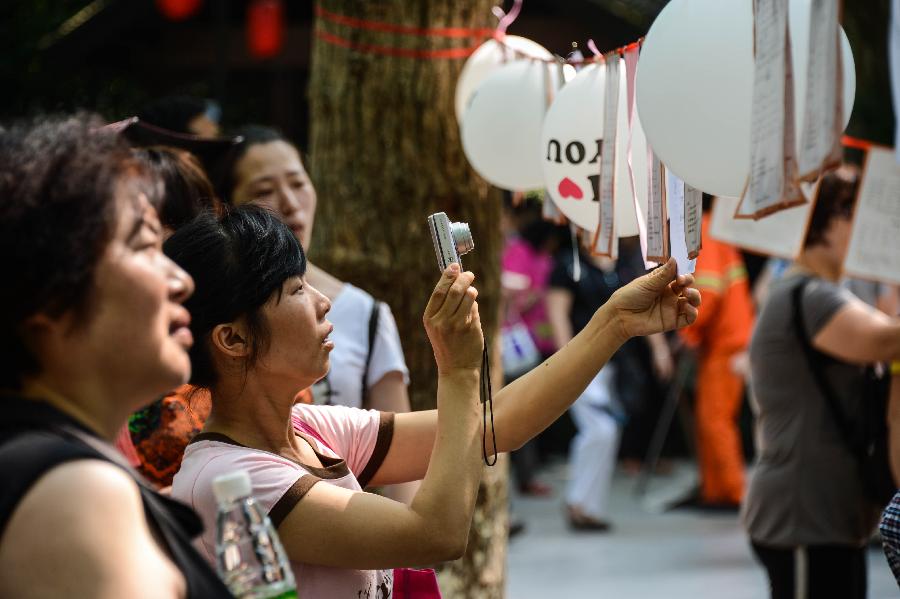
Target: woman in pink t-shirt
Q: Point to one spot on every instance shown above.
(261, 333)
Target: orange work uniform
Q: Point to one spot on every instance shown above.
(721, 331)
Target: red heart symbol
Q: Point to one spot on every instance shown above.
(568, 189)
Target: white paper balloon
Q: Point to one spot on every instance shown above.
(489, 57)
(570, 141)
(501, 134)
(695, 84)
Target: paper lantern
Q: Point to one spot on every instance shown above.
(265, 27)
(501, 132)
(694, 88)
(490, 56)
(178, 10)
(570, 152)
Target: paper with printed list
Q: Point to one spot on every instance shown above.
(772, 184)
(823, 118)
(874, 251)
(693, 220)
(630, 61)
(675, 208)
(553, 81)
(605, 236)
(780, 234)
(657, 217)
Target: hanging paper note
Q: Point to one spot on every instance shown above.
(693, 220)
(605, 234)
(874, 251)
(894, 58)
(779, 234)
(657, 218)
(631, 62)
(820, 139)
(773, 167)
(675, 202)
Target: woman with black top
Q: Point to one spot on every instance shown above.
(92, 328)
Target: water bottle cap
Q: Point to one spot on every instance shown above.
(231, 486)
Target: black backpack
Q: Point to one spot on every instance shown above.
(867, 438)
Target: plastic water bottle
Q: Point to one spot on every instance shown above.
(249, 556)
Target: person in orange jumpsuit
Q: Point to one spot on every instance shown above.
(720, 336)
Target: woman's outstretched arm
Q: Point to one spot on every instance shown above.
(654, 303)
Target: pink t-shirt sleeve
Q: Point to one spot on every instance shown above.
(272, 477)
(361, 437)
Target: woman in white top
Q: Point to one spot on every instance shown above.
(266, 170)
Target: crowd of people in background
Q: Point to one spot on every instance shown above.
(165, 326)
(799, 345)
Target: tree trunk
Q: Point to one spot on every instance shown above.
(385, 153)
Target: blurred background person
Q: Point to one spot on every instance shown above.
(184, 114)
(719, 339)
(578, 285)
(156, 435)
(530, 243)
(806, 513)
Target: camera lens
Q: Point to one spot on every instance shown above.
(462, 237)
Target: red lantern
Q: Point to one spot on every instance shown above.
(265, 27)
(178, 10)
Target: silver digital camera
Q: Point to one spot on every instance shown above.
(451, 240)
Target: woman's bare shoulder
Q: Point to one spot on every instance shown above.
(81, 531)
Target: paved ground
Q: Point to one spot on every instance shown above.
(676, 554)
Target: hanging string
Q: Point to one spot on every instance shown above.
(574, 59)
(576, 259)
(506, 18)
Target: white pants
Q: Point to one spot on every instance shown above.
(592, 455)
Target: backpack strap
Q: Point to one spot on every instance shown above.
(373, 331)
(814, 361)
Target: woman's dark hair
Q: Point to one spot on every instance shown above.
(836, 198)
(188, 191)
(238, 262)
(224, 176)
(58, 178)
(174, 112)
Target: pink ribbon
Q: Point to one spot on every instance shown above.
(506, 18)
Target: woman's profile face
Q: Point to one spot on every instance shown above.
(271, 175)
(299, 343)
(136, 328)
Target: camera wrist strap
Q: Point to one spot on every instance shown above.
(487, 403)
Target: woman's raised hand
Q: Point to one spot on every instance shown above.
(655, 303)
(452, 322)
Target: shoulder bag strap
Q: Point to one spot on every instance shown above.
(813, 359)
(373, 331)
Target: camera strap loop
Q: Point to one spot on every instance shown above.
(487, 403)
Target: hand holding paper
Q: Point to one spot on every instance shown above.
(657, 302)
